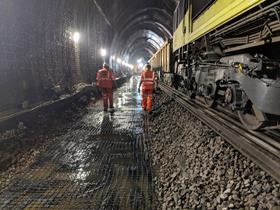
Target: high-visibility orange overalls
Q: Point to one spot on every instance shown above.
(147, 79)
(105, 81)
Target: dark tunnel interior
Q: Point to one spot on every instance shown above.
(49, 46)
(140, 104)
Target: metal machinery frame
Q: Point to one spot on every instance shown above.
(222, 51)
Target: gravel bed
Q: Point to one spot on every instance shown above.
(197, 169)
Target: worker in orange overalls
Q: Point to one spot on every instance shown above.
(147, 83)
(106, 82)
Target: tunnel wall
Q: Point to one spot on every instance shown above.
(38, 59)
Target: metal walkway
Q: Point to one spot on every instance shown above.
(98, 164)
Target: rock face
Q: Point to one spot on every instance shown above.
(197, 169)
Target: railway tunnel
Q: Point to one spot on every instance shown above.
(59, 148)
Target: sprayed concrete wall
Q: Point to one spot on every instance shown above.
(38, 58)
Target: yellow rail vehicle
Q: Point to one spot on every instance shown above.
(194, 19)
(227, 52)
(161, 60)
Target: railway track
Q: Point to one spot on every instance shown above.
(262, 148)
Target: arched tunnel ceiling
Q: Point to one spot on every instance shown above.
(140, 27)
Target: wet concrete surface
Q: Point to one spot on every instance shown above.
(99, 161)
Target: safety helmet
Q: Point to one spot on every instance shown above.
(148, 66)
(105, 65)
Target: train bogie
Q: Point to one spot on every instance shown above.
(226, 53)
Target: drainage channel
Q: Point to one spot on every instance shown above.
(100, 163)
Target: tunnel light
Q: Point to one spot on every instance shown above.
(119, 60)
(140, 65)
(76, 37)
(113, 57)
(139, 60)
(103, 52)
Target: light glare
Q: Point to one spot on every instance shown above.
(141, 65)
(103, 52)
(119, 60)
(76, 37)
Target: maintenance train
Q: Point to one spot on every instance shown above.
(227, 53)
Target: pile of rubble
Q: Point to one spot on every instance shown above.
(197, 169)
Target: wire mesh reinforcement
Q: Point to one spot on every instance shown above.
(98, 164)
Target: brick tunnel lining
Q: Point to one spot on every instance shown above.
(98, 163)
(38, 59)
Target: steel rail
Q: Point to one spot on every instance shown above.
(258, 147)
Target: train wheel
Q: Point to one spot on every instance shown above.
(251, 116)
(188, 89)
(192, 89)
(186, 92)
(210, 97)
(210, 101)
